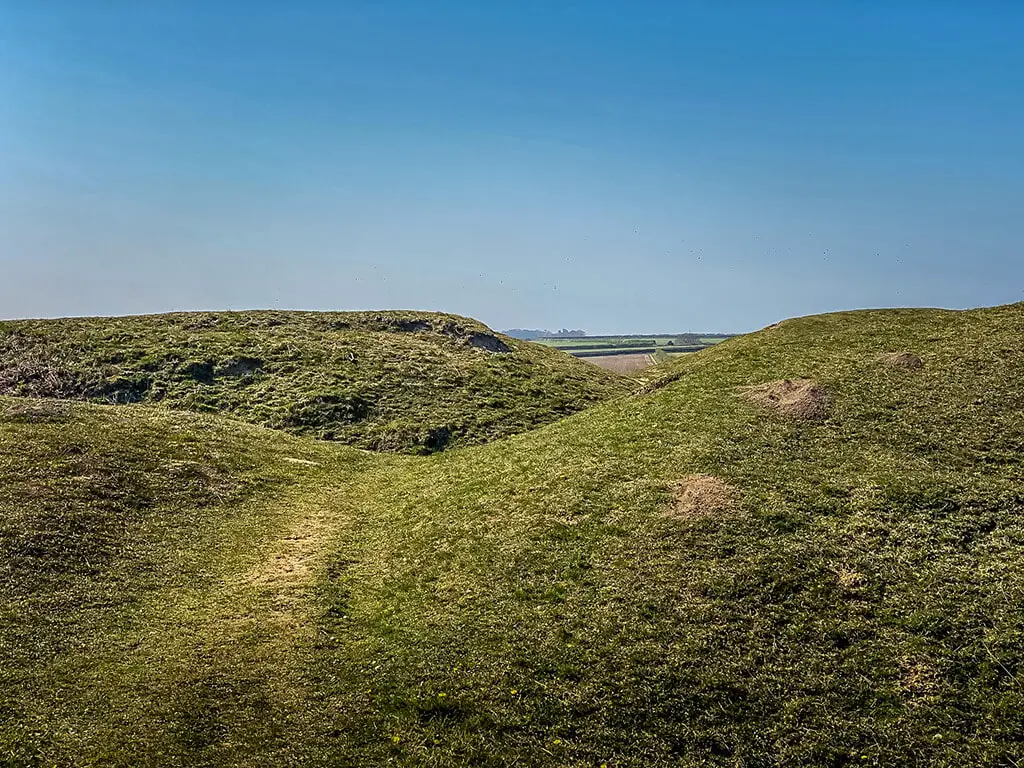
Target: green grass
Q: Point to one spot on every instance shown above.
(389, 381)
(281, 601)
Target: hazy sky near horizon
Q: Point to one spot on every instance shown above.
(612, 166)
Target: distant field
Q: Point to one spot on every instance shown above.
(630, 353)
(626, 342)
(623, 363)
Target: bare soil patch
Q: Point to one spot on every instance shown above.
(901, 360)
(698, 496)
(795, 398)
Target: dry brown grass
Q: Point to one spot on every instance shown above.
(795, 398)
(698, 496)
(851, 582)
(918, 678)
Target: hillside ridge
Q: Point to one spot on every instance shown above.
(385, 380)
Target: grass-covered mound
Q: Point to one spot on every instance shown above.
(391, 381)
(101, 509)
(698, 575)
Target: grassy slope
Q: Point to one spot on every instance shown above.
(393, 381)
(528, 602)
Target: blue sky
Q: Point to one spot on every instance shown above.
(615, 166)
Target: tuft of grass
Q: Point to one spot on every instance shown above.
(533, 601)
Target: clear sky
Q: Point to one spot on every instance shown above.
(613, 166)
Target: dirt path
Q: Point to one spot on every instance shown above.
(224, 655)
(289, 567)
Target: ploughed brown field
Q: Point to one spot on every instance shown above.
(622, 363)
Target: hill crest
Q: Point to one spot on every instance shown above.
(386, 380)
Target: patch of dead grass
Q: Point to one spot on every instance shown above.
(852, 583)
(918, 678)
(699, 496)
(795, 398)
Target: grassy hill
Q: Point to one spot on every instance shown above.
(720, 570)
(390, 381)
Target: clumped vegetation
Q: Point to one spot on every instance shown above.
(387, 381)
(679, 578)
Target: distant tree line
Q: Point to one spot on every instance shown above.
(686, 340)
